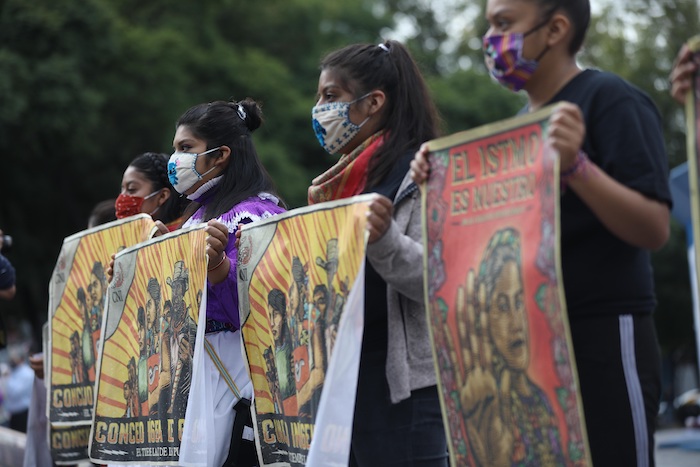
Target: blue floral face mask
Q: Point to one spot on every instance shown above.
(182, 172)
(332, 125)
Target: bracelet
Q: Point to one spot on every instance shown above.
(219, 263)
(578, 167)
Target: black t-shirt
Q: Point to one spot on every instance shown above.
(602, 273)
(376, 330)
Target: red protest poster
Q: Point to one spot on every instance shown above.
(495, 300)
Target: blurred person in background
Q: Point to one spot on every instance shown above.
(18, 390)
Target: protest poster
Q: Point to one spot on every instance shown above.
(145, 370)
(692, 113)
(495, 301)
(301, 289)
(76, 302)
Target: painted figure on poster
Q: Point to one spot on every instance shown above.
(176, 376)
(327, 298)
(153, 344)
(77, 365)
(92, 305)
(141, 382)
(307, 336)
(510, 420)
(283, 361)
(131, 391)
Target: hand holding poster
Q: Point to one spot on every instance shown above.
(301, 289)
(76, 302)
(495, 301)
(148, 342)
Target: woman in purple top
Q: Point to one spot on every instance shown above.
(216, 166)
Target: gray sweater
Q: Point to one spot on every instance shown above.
(398, 257)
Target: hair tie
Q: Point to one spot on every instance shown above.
(383, 47)
(241, 112)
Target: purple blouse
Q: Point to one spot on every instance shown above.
(222, 298)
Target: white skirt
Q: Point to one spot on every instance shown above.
(209, 418)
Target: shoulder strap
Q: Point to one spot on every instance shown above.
(222, 369)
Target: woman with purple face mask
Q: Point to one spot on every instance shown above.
(615, 208)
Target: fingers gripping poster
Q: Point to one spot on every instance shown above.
(76, 302)
(495, 299)
(303, 276)
(148, 340)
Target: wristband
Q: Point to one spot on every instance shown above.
(577, 168)
(219, 263)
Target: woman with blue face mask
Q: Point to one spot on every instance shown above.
(614, 210)
(216, 166)
(373, 111)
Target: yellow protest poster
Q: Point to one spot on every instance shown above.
(301, 289)
(149, 332)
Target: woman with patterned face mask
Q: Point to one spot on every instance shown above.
(373, 112)
(216, 166)
(145, 189)
(614, 210)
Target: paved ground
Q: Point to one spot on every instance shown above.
(678, 447)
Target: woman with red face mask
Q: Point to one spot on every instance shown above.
(145, 189)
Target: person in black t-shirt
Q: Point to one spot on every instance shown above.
(615, 208)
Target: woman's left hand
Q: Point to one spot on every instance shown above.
(379, 217)
(566, 132)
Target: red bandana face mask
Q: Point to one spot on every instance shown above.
(127, 206)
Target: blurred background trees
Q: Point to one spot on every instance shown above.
(86, 85)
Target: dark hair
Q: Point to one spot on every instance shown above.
(579, 13)
(222, 123)
(277, 301)
(410, 117)
(102, 213)
(154, 166)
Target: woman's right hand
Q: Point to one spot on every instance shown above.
(420, 167)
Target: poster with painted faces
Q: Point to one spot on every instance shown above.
(301, 289)
(77, 294)
(154, 306)
(495, 300)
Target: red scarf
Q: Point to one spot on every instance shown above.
(349, 176)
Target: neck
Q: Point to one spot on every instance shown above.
(549, 83)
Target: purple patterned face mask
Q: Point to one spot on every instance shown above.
(503, 54)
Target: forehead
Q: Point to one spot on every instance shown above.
(132, 174)
(512, 7)
(184, 134)
(331, 78)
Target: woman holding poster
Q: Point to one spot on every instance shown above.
(373, 111)
(614, 210)
(215, 165)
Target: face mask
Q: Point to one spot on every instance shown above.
(182, 172)
(504, 58)
(332, 124)
(127, 205)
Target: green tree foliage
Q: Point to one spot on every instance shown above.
(86, 85)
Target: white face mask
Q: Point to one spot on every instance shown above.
(182, 172)
(332, 125)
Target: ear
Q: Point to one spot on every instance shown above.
(376, 101)
(223, 158)
(163, 196)
(559, 30)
